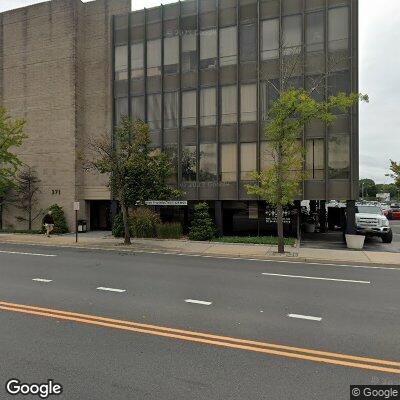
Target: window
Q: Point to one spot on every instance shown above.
(266, 156)
(315, 32)
(171, 150)
(228, 46)
(248, 43)
(269, 95)
(208, 106)
(339, 156)
(189, 102)
(291, 35)
(228, 104)
(208, 162)
(137, 61)
(154, 111)
(228, 162)
(189, 54)
(338, 29)
(188, 163)
(339, 82)
(137, 105)
(270, 39)
(316, 84)
(248, 103)
(208, 49)
(171, 109)
(248, 160)
(315, 159)
(121, 63)
(121, 109)
(154, 57)
(171, 55)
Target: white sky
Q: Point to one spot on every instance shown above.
(379, 78)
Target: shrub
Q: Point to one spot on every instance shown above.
(144, 222)
(202, 227)
(171, 230)
(118, 226)
(60, 223)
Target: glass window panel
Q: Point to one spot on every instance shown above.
(270, 39)
(228, 45)
(266, 156)
(137, 60)
(248, 43)
(171, 55)
(338, 29)
(171, 109)
(339, 82)
(228, 162)
(189, 102)
(121, 63)
(154, 57)
(315, 159)
(189, 54)
(248, 103)
(121, 109)
(171, 151)
(208, 106)
(154, 111)
(291, 35)
(189, 162)
(208, 49)
(315, 84)
(315, 32)
(248, 160)
(228, 104)
(339, 156)
(137, 105)
(269, 95)
(208, 162)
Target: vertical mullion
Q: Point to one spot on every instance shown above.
(259, 116)
(326, 82)
(113, 80)
(303, 75)
(129, 70)
(179, 149)
(198, 100)
(238, 100)
(145, 66)
(162, 78)
(218, 104)
(354, 147)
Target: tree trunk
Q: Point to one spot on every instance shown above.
(125, 218)
(279, 221)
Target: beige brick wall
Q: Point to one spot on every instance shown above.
(55, 72)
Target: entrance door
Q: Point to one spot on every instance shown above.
(100, 215)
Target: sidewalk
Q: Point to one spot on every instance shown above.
(105, 241)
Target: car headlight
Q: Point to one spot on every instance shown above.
(384, 222)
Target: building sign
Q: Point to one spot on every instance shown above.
(270, 215)
(76, 205)
(166, 202)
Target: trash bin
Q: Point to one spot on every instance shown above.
(82, 225)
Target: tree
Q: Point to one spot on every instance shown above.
(136, 172)
(11, 136)
(293, 109)
(26, 191)
(368, 188)
(60, 223)
(395, 173)
(202, 227)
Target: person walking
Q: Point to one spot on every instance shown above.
(48, 223)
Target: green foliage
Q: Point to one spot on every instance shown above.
(11, 136)
(368, 188)
(287, 118)
(171, 230)
(118, 226)
(137, 173)
(60, 223)
(144, 222)
(395, 172)
(272, 240)
(202, 227)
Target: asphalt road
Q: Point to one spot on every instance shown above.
(349, 311)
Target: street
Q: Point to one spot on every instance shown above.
(153, 326)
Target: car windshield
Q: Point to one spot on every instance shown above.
(369, 210)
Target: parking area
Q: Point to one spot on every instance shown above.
(334, 240)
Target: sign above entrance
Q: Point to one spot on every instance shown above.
(166, 202)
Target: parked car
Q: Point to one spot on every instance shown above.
(393, 212)
(370, 221)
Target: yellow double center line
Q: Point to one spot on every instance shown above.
(215, 340)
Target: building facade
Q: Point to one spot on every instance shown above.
(55, 72)
(202, 74)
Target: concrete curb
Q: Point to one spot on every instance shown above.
(295, 259)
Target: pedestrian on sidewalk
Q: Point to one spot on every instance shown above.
(48, 223)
